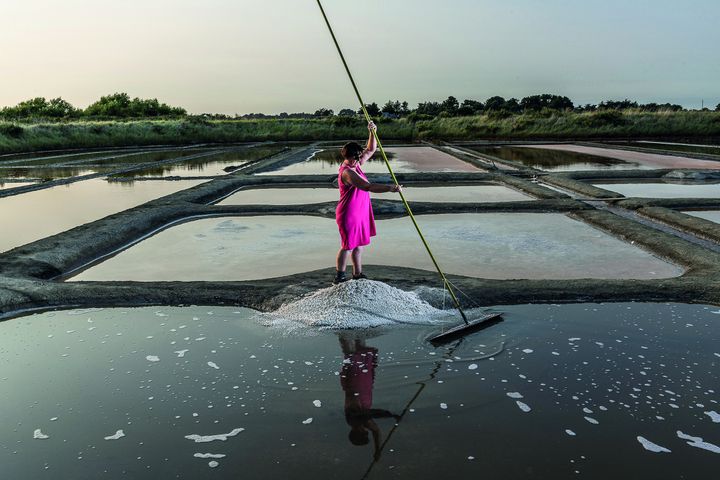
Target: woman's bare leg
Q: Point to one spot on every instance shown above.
(357, 260)
(342, 260)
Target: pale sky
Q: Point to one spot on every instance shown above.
(241, 56)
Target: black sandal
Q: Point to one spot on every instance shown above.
(340, 277)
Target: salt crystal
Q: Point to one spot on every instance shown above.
(653, 447)
(443, 406)
(307, 421)
(213, 464)
(514, 394)
(181, 353)
(213, 365)
(39, 435)
(317, 403)
(698, 442)
(152, 358)
(714, 416)
(523, 406)
(209, 455)
(472, 366)
(210, 438)
(117, 435)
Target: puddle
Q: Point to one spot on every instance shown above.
(649, 160)
(402, 160)
(664, 190)
(298, 196)
(489, 245)
(712, 215)
(557, 161)
(35, 215)
(279, 402)
(210, 165)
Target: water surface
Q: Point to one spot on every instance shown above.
(664, 190)
(554, 391)
(402, 160)
(557, 161)
(488, 245)
(35, 215)
(297, 196)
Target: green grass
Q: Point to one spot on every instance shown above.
(629, 124)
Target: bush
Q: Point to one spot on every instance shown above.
(11, 130)
(604, 118)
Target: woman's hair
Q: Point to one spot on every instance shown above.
(351, 150)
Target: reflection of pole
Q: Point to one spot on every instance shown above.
(422, 384)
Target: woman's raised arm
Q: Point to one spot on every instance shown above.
(371, 145)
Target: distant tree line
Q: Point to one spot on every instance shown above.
(117, 105)
(120, 105)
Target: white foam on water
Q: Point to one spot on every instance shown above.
(698, 442)
(211, 438)
(307, 421)
(117, 435)
(181, 353)
(209, 455)
(356, 304)
(152, 358)
(514, 394)
(213, 365)
(317, 403)
(523, 406)
(714, 416)
(213, 464)
(650, 446)
(39, 435)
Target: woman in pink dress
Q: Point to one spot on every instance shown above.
(354, 213)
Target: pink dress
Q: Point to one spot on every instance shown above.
(354, 214)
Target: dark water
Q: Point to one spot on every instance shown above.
(556, 160)
(637, 369)
(211, 164)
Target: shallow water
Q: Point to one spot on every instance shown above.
(35, 215)
(664, 190)
(50, 173)
(552, 392)
(678, 147)
(648, 160)
(488, 245)
(712, 215)
(557, 161)
(402, 160)
(211, 164)
(295, 196)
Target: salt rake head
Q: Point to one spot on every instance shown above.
(473, 325)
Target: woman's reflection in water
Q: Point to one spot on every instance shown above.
(357, 377)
